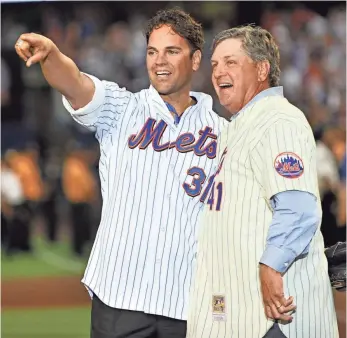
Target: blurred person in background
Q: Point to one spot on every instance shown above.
(340, 297)
(5, 84)
(334, 229)
(328, 181)
(15, 212)
(24, 162)
(80, 191)
(51, 171)
(342, 196)
(339, 150)
(327, 168)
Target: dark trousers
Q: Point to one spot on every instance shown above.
(274, 332)
(107, 322)
(81, 226)
(4, 229)
(51, 218)
(18, 230)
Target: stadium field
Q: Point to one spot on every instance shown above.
(46, 323)
(42, 295)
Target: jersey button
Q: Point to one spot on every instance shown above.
(158, 261)
(162, 229)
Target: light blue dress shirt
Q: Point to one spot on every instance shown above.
(294, 222)
(295, 218)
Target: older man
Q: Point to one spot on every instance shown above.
(261, 269)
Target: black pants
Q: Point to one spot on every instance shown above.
(81, 226)
(4, 229)
(274, 332)
(18, 230)
(49, 212)
(107, 322)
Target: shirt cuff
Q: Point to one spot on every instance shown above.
(278, 259)
(94, 104)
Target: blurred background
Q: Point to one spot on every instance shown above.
(50, 205)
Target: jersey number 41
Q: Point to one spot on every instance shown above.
(213, 192)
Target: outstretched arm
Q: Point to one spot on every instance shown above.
(59, 70)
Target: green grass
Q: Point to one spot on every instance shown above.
(46, 260)
(47, 323)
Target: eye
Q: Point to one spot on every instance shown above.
(150, 52)
(172, 52)
(231, 62)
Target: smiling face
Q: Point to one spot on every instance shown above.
(169, 62)
(235, 77)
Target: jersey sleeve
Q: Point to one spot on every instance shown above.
(285, 159)
(106, 108)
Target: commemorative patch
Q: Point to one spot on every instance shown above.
(289, 165)
(218, 308)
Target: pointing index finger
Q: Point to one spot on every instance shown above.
(31, 38)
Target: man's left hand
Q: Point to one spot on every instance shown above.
(275, 304)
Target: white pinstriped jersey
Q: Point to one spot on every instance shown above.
(152, 172)
(267, 149)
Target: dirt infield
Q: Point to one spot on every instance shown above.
(44, 292)
(55, 292)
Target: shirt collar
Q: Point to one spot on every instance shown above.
(201, 98)
(273, 91)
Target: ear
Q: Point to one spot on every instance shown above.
(263, 68)
(196, 60)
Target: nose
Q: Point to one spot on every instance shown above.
(218, 71)
(161, 59)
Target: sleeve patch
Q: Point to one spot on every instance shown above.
(289, 165)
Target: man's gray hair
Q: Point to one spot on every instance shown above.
(258, 44)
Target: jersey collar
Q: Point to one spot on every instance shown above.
(273, 91)
(164, 109)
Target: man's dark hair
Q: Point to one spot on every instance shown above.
(181, 23)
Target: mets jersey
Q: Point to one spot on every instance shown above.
(152, 171)
(267, 149)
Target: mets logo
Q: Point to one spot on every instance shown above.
(289, 165)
